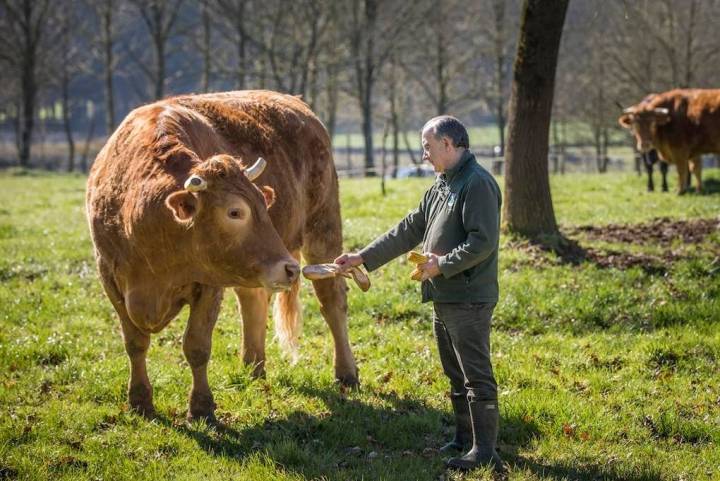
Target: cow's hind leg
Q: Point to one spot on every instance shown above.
(204, 308)
(253, 304)
(137, 343)
(696, 169)
(323, 244)
(683, 175)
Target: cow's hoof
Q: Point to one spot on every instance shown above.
(146, 410)
(140, 400)
(349, 381)
(258, 372)
(209, 418)
(202, 406)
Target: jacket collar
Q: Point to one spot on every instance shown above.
(452, 172)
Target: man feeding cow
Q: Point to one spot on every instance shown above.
(457, 222)
(681, 125)
(197, 193)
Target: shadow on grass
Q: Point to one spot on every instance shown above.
(586, 472)
(392, 438)
(711, 187)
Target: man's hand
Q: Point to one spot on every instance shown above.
(348, 260)
(431, 268)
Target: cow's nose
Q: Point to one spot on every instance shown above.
(292, 269)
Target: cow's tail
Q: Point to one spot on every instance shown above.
(287, 314)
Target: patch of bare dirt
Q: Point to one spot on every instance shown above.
(663, 231)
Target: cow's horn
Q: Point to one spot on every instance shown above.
(629, 110)
(661, 111)
(195, 183)
(254, 171)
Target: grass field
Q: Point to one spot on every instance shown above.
(604, 372)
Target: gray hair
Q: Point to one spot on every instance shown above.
(450, 127)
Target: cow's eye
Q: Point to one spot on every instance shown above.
(235, 213)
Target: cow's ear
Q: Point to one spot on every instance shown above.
(625, 120)
(183, 205)
(269, 194)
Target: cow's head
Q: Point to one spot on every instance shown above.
(643, 122)
(233, 238)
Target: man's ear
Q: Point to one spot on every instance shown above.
(183, 205)
(269, 194)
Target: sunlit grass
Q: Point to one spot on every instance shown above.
(603, 373)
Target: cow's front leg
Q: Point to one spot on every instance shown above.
(332, 294)
(137, 344)
(253, 304)
(323, 244)
(649, 170)
(197, 342)
(663, 172)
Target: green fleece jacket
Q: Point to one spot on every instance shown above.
(458, 219)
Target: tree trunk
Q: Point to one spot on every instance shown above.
(368, 136)
(499, 11)
(410, 150)
(528, 206)
(383, 163)
(395, 142)
(331, 92)
(394, 119)
(29, 93)
(66, 118)
(440, 67)
(160, 68)
(371, 7)
(556, 147)
(107, 42)
(206, 53)
(28, 120)
(241, 50)
(88, 140)
(349, 154)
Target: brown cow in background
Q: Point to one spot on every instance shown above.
(176, 215)
(681, 125)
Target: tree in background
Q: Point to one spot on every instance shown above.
(443, 67)
(374, 30)
(106, 15)
(496, 53)
(27, 40)
(528, 208)
(160, 18)
(71, 62)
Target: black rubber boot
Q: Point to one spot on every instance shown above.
(485, 423)
(463, 427)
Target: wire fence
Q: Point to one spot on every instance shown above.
(50, 152)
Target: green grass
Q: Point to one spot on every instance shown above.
(604, 373)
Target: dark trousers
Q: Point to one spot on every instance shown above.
(463, 337)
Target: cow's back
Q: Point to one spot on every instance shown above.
(282, 129)
(139, 166)
(694, 127)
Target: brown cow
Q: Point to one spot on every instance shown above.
(681, 124)
(175, 217)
